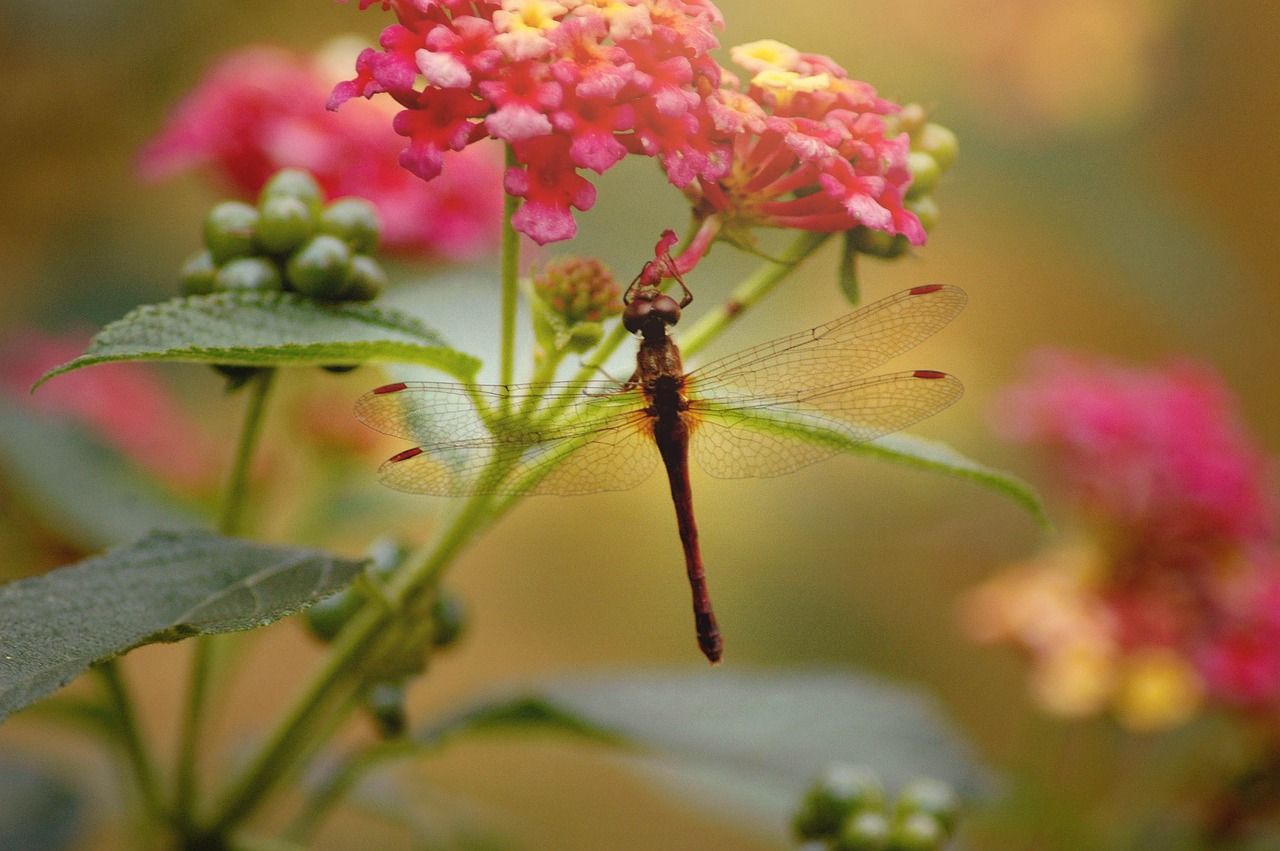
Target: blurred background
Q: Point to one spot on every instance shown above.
(1115, 194)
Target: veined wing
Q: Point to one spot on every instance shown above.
(596, 443)
(770, 439)
(836, 353)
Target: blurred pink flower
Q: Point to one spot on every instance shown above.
(1181, 561)
(262, 109)
(570, 85)
(125, 405)
(1158, 451)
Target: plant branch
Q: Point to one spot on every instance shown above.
(205, 648)
(135, 746)
(510, 279)
(748, 293)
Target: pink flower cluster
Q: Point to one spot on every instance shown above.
(125, 405)
(568, 84)
(1181, 558)
(811, 149)
(262, 109)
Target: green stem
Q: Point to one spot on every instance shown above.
(140, 758)
(750, 291)
(510, 278)
(289, 740)
(233, 505)
(206, 648)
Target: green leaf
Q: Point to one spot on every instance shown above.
(38, 812)
(939, 457)
(166, 587)
(90, 494)
(754, 741)
(269, 329)
(520, 714)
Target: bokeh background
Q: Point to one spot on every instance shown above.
(1116, 193)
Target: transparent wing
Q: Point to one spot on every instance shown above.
(596, 443)
(438, 414)
(770, 439)
(830, 355)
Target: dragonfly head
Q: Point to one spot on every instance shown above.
(650, 313)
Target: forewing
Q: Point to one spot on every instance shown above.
(590, 445)
(764, 440)
(436, 414)
(832, 354)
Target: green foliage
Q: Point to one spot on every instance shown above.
(38, 812)
(165, 587)
(91, 495)
(749, 742)
(269, 329)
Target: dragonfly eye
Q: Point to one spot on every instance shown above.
(635, 314)
(667, 309)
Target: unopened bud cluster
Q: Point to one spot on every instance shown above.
(846, 809)
(572, 297)
(934, 149)
(290, 241)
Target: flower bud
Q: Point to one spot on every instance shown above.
(354, 221)
(926, 210)
(284, 223)
(297, 184)
(579, 289)
(365, 279)
(320, 267)
(866, 831)
(386, 706)
(449, 619)
(248, 274)
(198, 273)
(839, 793)
(938, 142)
(229, 230)
(924, 174)
(930, 797)
(917, 832)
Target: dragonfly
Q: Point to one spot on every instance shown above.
(765, 411)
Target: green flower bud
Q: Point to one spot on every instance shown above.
(327, 617)
(284, 223)
(365, 279)
(877, 243)
(924, 174)
(938, 142)
(252, 274)
(294, 183)
(917, 832)
(841, 791)
(449, 619)
(229, 230)
(931, 797)
(386, 706)
(354, 221)
(926, 210)
(387, 554)
(198, 273)
(866, 831)
(319, 268)
(583, 337)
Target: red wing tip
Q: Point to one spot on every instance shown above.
(390, 388)
(929, 373)
(925, 290)
(405, 455)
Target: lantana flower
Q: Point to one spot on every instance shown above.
(570, 85)
(1177, 588)
(262, 109)
(812, 149)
